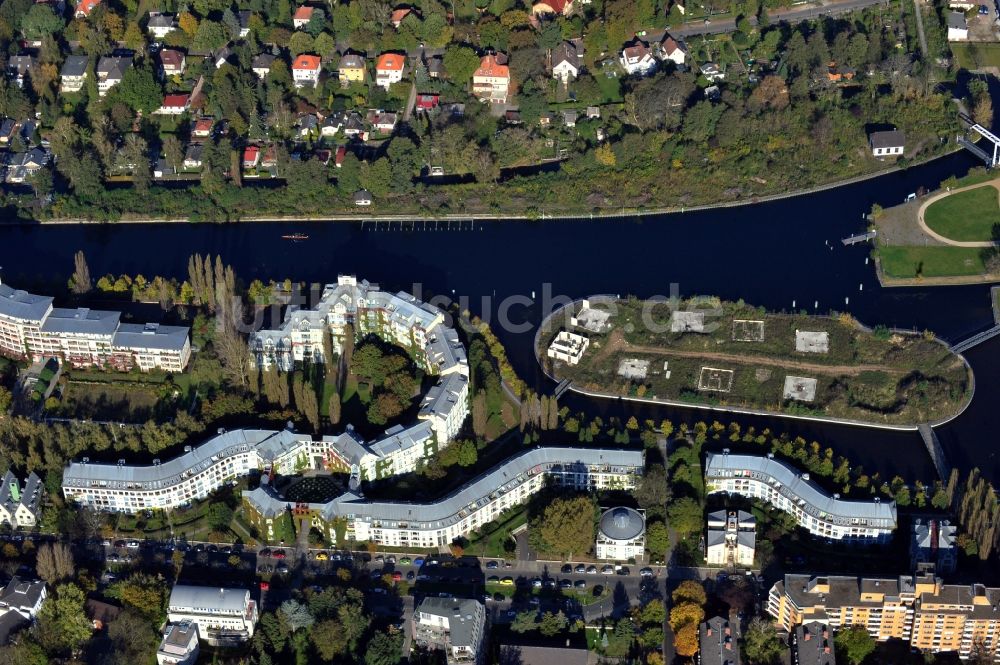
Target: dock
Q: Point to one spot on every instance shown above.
(861, 237)
(935, 450)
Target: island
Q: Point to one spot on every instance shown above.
(733, 356)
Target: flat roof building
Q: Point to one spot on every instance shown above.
(179, 645)
(568, 347)
(456, 626)
(223, 616)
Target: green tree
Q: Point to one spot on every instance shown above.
(40, 22)
(385, 648)
(139, 90)
(567, 525)
(63, 625)
(210, 36)
(685, 516)
(762, 645)
(854, 644)
(459, 63)
(524, 621)
(653, 492)
(552, 623)
(220, 516)
(657, 539)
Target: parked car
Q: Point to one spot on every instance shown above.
(567, 569)
(406, 561)
(264, 586)
(537, 583)
(581, 584)
(418, 562)
(279, 554)
(397, 576)
(492, 565)
(608, 570)
(507, 581)
(646, 572)
(580, 568)
(322, 556)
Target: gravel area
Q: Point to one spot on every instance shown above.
(898, 226)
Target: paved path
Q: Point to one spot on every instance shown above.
(995, 183)
(920, 27)
(790, 15)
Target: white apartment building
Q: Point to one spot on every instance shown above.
(440, 522)
(20, 508)
(568, 347)
(731, 538)
(223, 616)
(30, 328)
(179, 645)
(445, 406)
(398, 451)
(777, 483)
(456, 626)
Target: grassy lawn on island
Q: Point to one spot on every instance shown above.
(975, 55)
(938, 261)
(966, 216)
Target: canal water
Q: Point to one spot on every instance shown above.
(772, 254)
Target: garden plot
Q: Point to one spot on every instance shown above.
(716, 380)
(800, 388)
(633, 369)
(812, 342)
(746, 330)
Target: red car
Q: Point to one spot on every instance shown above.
(264, 586)
(278, 554)
(397, 576)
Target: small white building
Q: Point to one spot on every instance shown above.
(568, 347)
(567, 60)
(621, 534)
(637, 58)
(456, 626)
(958, 27)
(223, 616)
(887, 144)
(160, 25)
(672, 50)
(179, 645)
(25, 598)
(731, 538)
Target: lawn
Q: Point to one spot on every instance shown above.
(937, 261)
(968, 215)
(976, 55)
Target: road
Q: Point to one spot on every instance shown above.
(791, 15)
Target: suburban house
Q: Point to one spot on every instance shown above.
(672, 50)
(352, 69)
(563, 7)
(836, 73)
(262, 65)
(331, 124)
(341, 154)
(172, 62)
(222, 56)
(307, 125)
(73, 73)
(251, 157)
(637, 58)
(302, 17)
(84, 7)
(428, 101)
(491, 82)
(569, 117)
(389, 69)
(305, 70)
(174, 104)
(354, 126)
(456, 627)
(110, 72)
(717, 643)
(958, 27)
(179, 645)
(244, 17)
(19, 507)
(7, 131)
(398, 15)
(887, 144)
(567, 60)
(19, 66)
(192, 156)
(270, 158)
(161, 25)
(202, 128)
(712, 72)
(362, 198)
(25, 598)
(962, 5)
(23, 165)
(382, 121)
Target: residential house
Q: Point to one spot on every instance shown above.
(352, 69)
(836, 73)
(562, 7)
(162, 169)
(717, 643)
(637, 58)
(731, 538)
(569, 117)
(192, 156)
(73, 74)
(84, 7)
(712, 72)
(341, 154)
(160, 25)
(262, 65)
(7, 131)
(671, 50)
(435, 65)
(307, 125)
(389, 69)
(491, 81)
(174, 104)
(354, 126)
(244, 18)
(456, 626)
(179, 645)
(20, 508)
(958, 28)
(963, 5)
(813, 645)
(27, 131)
(225, 617)
(172, 62)
(25, 598)
(567, 60)
(302, 17)
(382, 121)
(270, 158)
(427, 102)
(933, 541)
(251, 157)
(362, 198)
(23, 165)
(513, 116)
(202, 128)
(222, 56)
(19, 66)
(593, 112)
(305, 70)
(887, 144)
(110, 72)
(331, 125)
(398, 15)
(10, 623)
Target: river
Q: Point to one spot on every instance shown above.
(770, 254)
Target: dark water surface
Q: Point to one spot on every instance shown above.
(769, 254)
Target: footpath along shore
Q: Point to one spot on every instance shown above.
(617, 213)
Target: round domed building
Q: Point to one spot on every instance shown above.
(621, 534)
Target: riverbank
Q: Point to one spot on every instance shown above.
(733, 358)
(405, 219)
